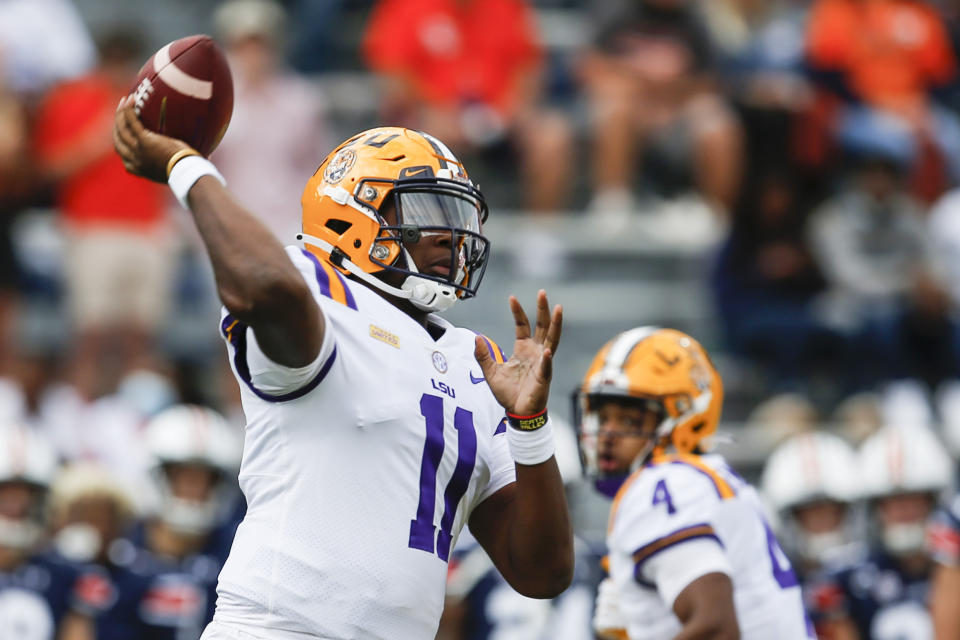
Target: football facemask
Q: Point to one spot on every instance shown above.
(446, 213)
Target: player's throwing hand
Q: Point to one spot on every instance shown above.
(144, 153)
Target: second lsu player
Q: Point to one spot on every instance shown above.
(690, 552)
(375, 429)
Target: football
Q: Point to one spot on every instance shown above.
(185, 91)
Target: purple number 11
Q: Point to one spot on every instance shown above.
(422, 529)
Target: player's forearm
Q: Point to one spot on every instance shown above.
(707, 631)
(943, 605)
(256, 281)
(706, 609)
(540, 534)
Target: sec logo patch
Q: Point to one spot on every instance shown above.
(439, 362)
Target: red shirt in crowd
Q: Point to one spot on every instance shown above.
(455, 51)
(101, 192)
(892, 51)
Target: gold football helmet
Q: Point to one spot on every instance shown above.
(345, 204)
(671, 372)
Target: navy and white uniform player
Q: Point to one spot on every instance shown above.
(885, 595)
(39, 597)
(139, 596)
(194, 455)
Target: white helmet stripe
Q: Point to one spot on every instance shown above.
(895, 458)
(442, 150)
(623, 345)
(810, 461)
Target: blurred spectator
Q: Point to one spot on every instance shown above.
(756, 34)
(891, 56)
(871, 244)
(943, 228)
(278, 134)
(760, 46)
(314, 28)
(649, 78)
(120, 253)
(42, 42)
(15, 179)
(469, 73)
(105, 431)
(40, 594)
(766, 281)
(884, 596)
(195, 456)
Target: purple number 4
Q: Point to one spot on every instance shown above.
(422, 528)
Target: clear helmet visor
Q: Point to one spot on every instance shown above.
(448, 215)
(439, 209)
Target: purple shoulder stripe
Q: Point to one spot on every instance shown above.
(490, 346)
(684, 534)
(322, 279)
(346, 290)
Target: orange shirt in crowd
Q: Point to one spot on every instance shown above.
(454, 50)
(893, 51)
(101, 192)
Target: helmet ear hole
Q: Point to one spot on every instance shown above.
(339, 227)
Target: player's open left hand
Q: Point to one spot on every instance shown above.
(522, 384)
(144, 153)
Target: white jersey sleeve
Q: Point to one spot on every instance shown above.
(664, 524)
(676, 568)
(502, 468)
(270, 380)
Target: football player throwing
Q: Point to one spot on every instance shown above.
(690, 552)
(375, 429)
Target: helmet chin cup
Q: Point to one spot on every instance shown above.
(428, 295)
(19, 535)
(189, 518)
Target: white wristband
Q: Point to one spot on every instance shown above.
(186, 173)
(531, 447)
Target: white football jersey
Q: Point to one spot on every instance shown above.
(682, 517)
(359, 471)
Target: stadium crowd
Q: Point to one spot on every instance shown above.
(812, 147)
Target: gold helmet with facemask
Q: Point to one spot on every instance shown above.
(344, 204)
(666, 370)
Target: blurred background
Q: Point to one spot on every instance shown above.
(774, 177)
